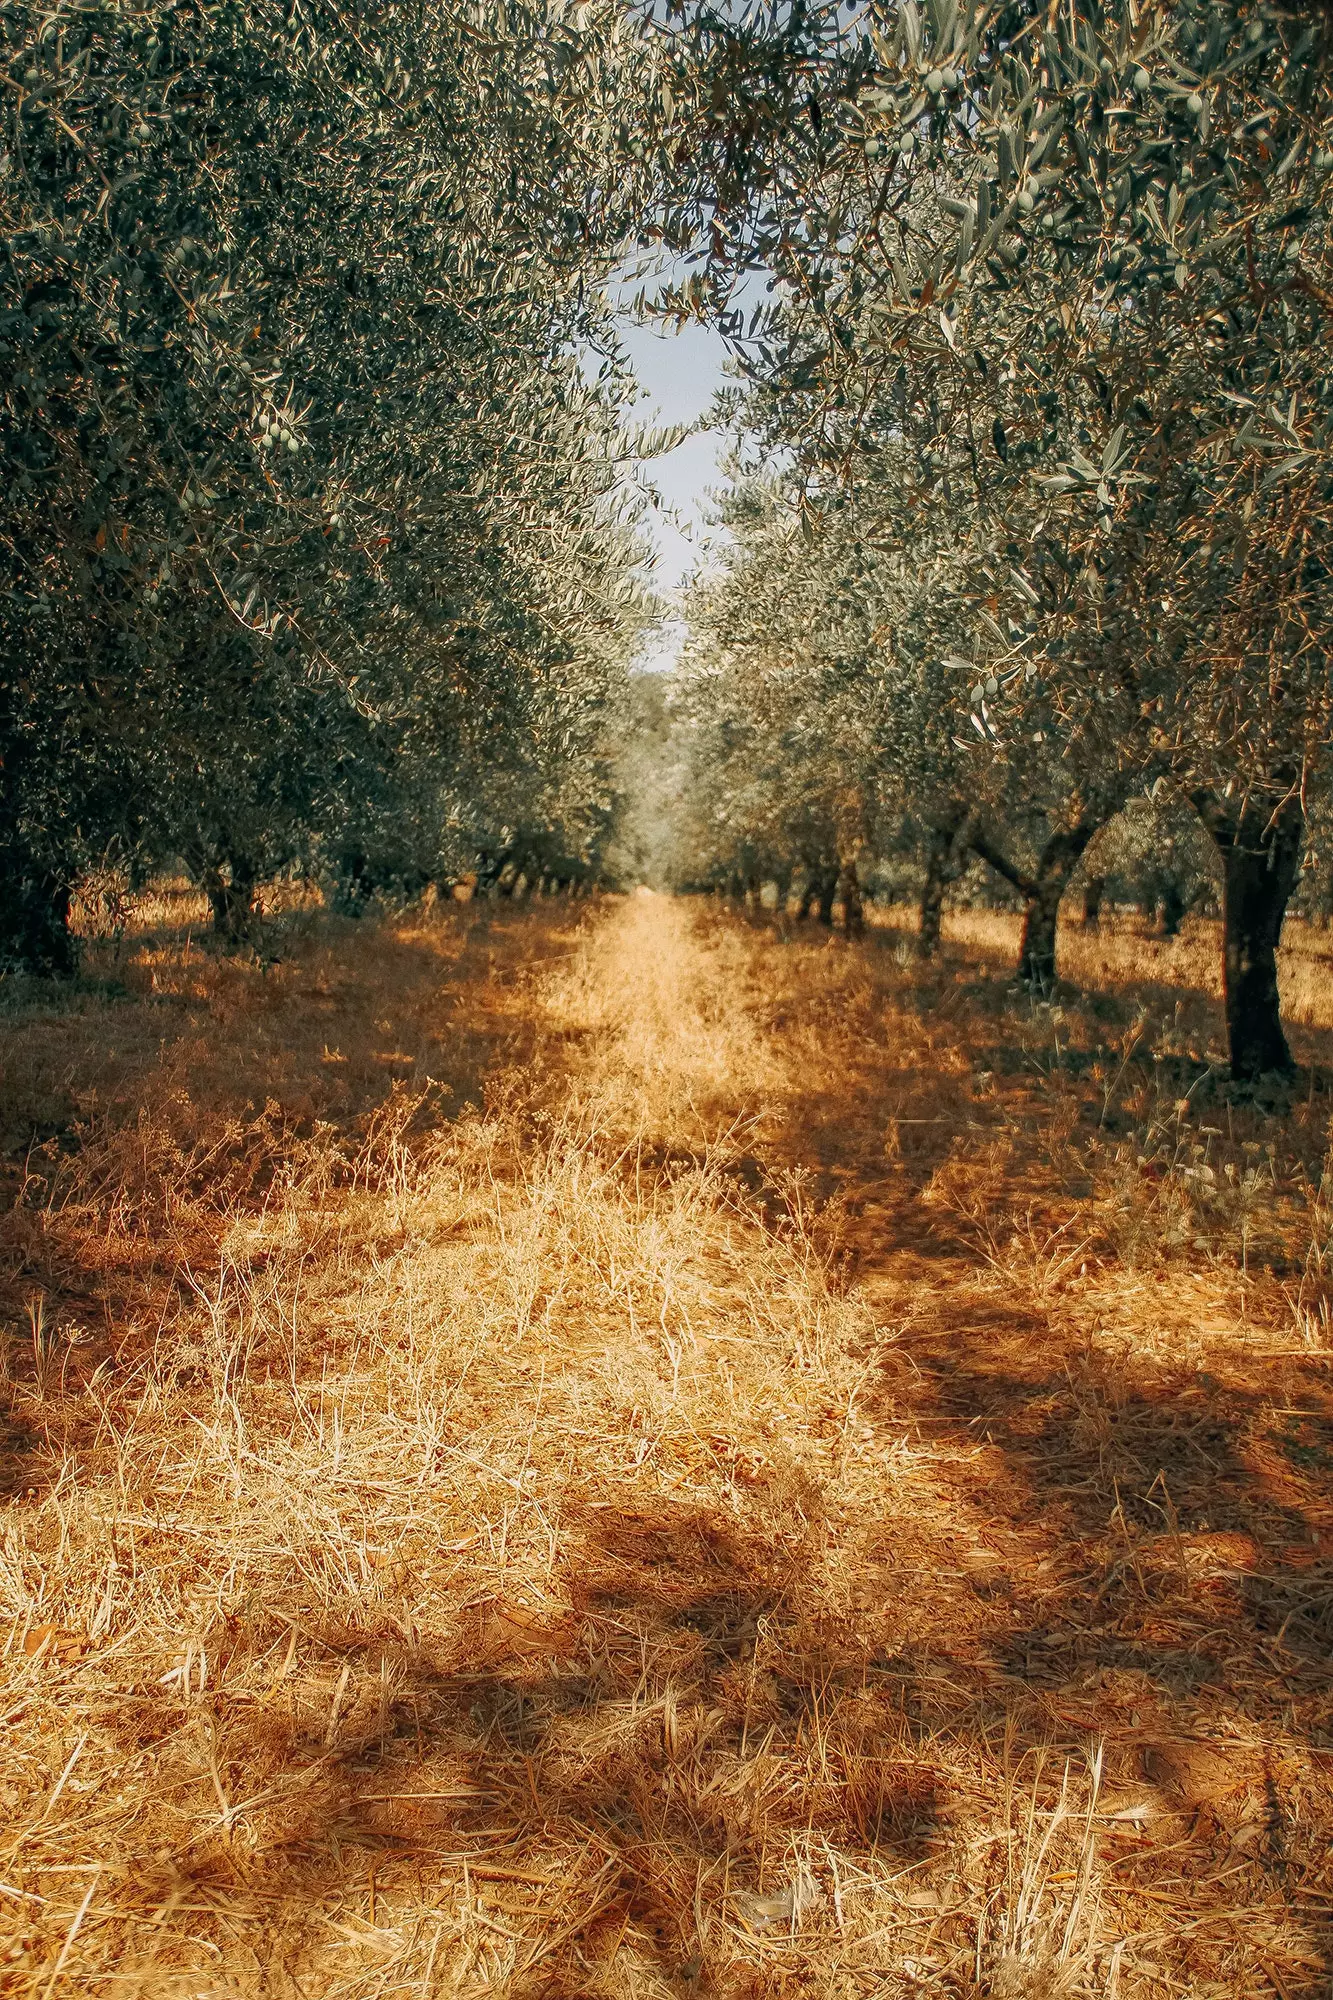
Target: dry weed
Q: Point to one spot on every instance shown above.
(604, 1453)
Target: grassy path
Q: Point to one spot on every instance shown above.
(691, 1495)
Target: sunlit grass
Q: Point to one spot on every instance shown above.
(601, 1451)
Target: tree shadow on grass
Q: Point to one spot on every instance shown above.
(139, 1134)
(1130, 1546)
(639, 1769)
(633, 1770)
(1161, 1574)
(636, 1766)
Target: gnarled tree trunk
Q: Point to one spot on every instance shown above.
(34, 916)
(354, 888)
(229, 882)
(946, 848)
(233, 899)
(1260, 839)
(853, 910)
(1172, 908)
(931, 920)
(1042, 892)
(1055, 864)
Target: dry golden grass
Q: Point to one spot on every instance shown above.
(1127, 955)
(598, 1452)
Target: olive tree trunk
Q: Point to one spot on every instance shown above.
(931, 920)
(232, 898)
(1042, 892)
(1057, 862)
(946, 853)
(1172, 908)
(853, 909)
(1260, 839)
(34, 916)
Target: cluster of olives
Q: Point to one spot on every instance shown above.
(942, 83)
(904, 146)
(938, 84)
(274, 432)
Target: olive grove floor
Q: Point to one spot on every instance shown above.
(604, 1450)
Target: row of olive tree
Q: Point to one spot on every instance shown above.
(818, 715)
(820, 731)
(311, 439)
(1048, 350)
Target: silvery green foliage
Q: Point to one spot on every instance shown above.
(1075, 263)
(808, 706)
(309, 494)
(1079, 260)
(818, 698)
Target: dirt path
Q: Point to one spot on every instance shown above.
(634, 1539)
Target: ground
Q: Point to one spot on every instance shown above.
(611, 1450)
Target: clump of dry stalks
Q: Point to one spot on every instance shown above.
(603, 1452)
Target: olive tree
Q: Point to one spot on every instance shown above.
(1079, 257)
(305, 481)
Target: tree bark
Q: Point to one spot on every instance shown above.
(1042, 894)
(853, 909)
(1260, 842)
(1056, 863)
(233, 901)
(996, 858)
(931, 919)
(34, 917)
(1173, 908)
(943, 849)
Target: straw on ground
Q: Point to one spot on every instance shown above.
(610, 1453)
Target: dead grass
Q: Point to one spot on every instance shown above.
(1127, 955)
(596, 1452)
